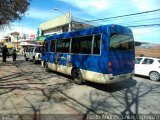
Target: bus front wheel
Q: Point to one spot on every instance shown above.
(77, 76)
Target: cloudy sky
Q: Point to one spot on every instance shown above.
(43, 10)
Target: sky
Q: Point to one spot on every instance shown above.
(43, 10)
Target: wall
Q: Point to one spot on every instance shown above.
(150, 52)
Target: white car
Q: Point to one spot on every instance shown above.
(148, 66)
(34, 53)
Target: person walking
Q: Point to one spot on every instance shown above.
(4, 53)
(14, 55)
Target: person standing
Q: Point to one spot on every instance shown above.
(14, 55)
(4, 53)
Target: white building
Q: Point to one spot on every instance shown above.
(59, 25)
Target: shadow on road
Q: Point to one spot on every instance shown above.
(31, 82)
(121, 85)
(132, 98)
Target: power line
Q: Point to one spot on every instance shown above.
(123, 15)
(149, 25)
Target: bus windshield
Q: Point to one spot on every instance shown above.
(121, 42)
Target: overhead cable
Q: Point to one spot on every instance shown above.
(123, 15)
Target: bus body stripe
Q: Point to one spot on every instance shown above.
(88, 75)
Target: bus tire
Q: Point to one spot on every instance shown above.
(77, 76)
(46, 68)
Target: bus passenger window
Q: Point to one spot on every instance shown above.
(96, 45)
(59, 46)
(52, 46)
(82, 45)
(86, 44)
(45, 46)
(76, 45)
(65, 45)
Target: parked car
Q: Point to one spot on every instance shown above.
(148, 66)
(33, 53)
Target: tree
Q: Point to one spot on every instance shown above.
(12, 10)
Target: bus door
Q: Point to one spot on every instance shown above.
(45, 53)
(62, 50)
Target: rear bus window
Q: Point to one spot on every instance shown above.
(121, 42)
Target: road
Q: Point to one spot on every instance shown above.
(31, 90)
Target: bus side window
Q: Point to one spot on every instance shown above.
(52, 46)
(86, 44)
(66, 44)
(59, 46)
(45, 46)
(75, 45)
(96, 45)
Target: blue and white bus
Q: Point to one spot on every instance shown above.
(103, 54)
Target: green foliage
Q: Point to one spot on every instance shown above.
(12, 10)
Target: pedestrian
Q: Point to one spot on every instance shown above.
(5, 53)
(14, 55)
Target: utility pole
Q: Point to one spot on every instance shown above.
(68, 18)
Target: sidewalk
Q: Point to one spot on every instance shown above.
(22, 97)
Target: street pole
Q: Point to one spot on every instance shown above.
(69, 19)
(17, 43)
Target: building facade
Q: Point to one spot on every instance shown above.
(59, 25)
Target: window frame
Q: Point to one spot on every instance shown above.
(109, 46)
(92, 47)
(71, 44)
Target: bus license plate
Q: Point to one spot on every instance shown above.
(122, 76)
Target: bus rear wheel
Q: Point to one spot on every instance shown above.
(77, 76)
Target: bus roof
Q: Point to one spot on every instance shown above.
(89, 31)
